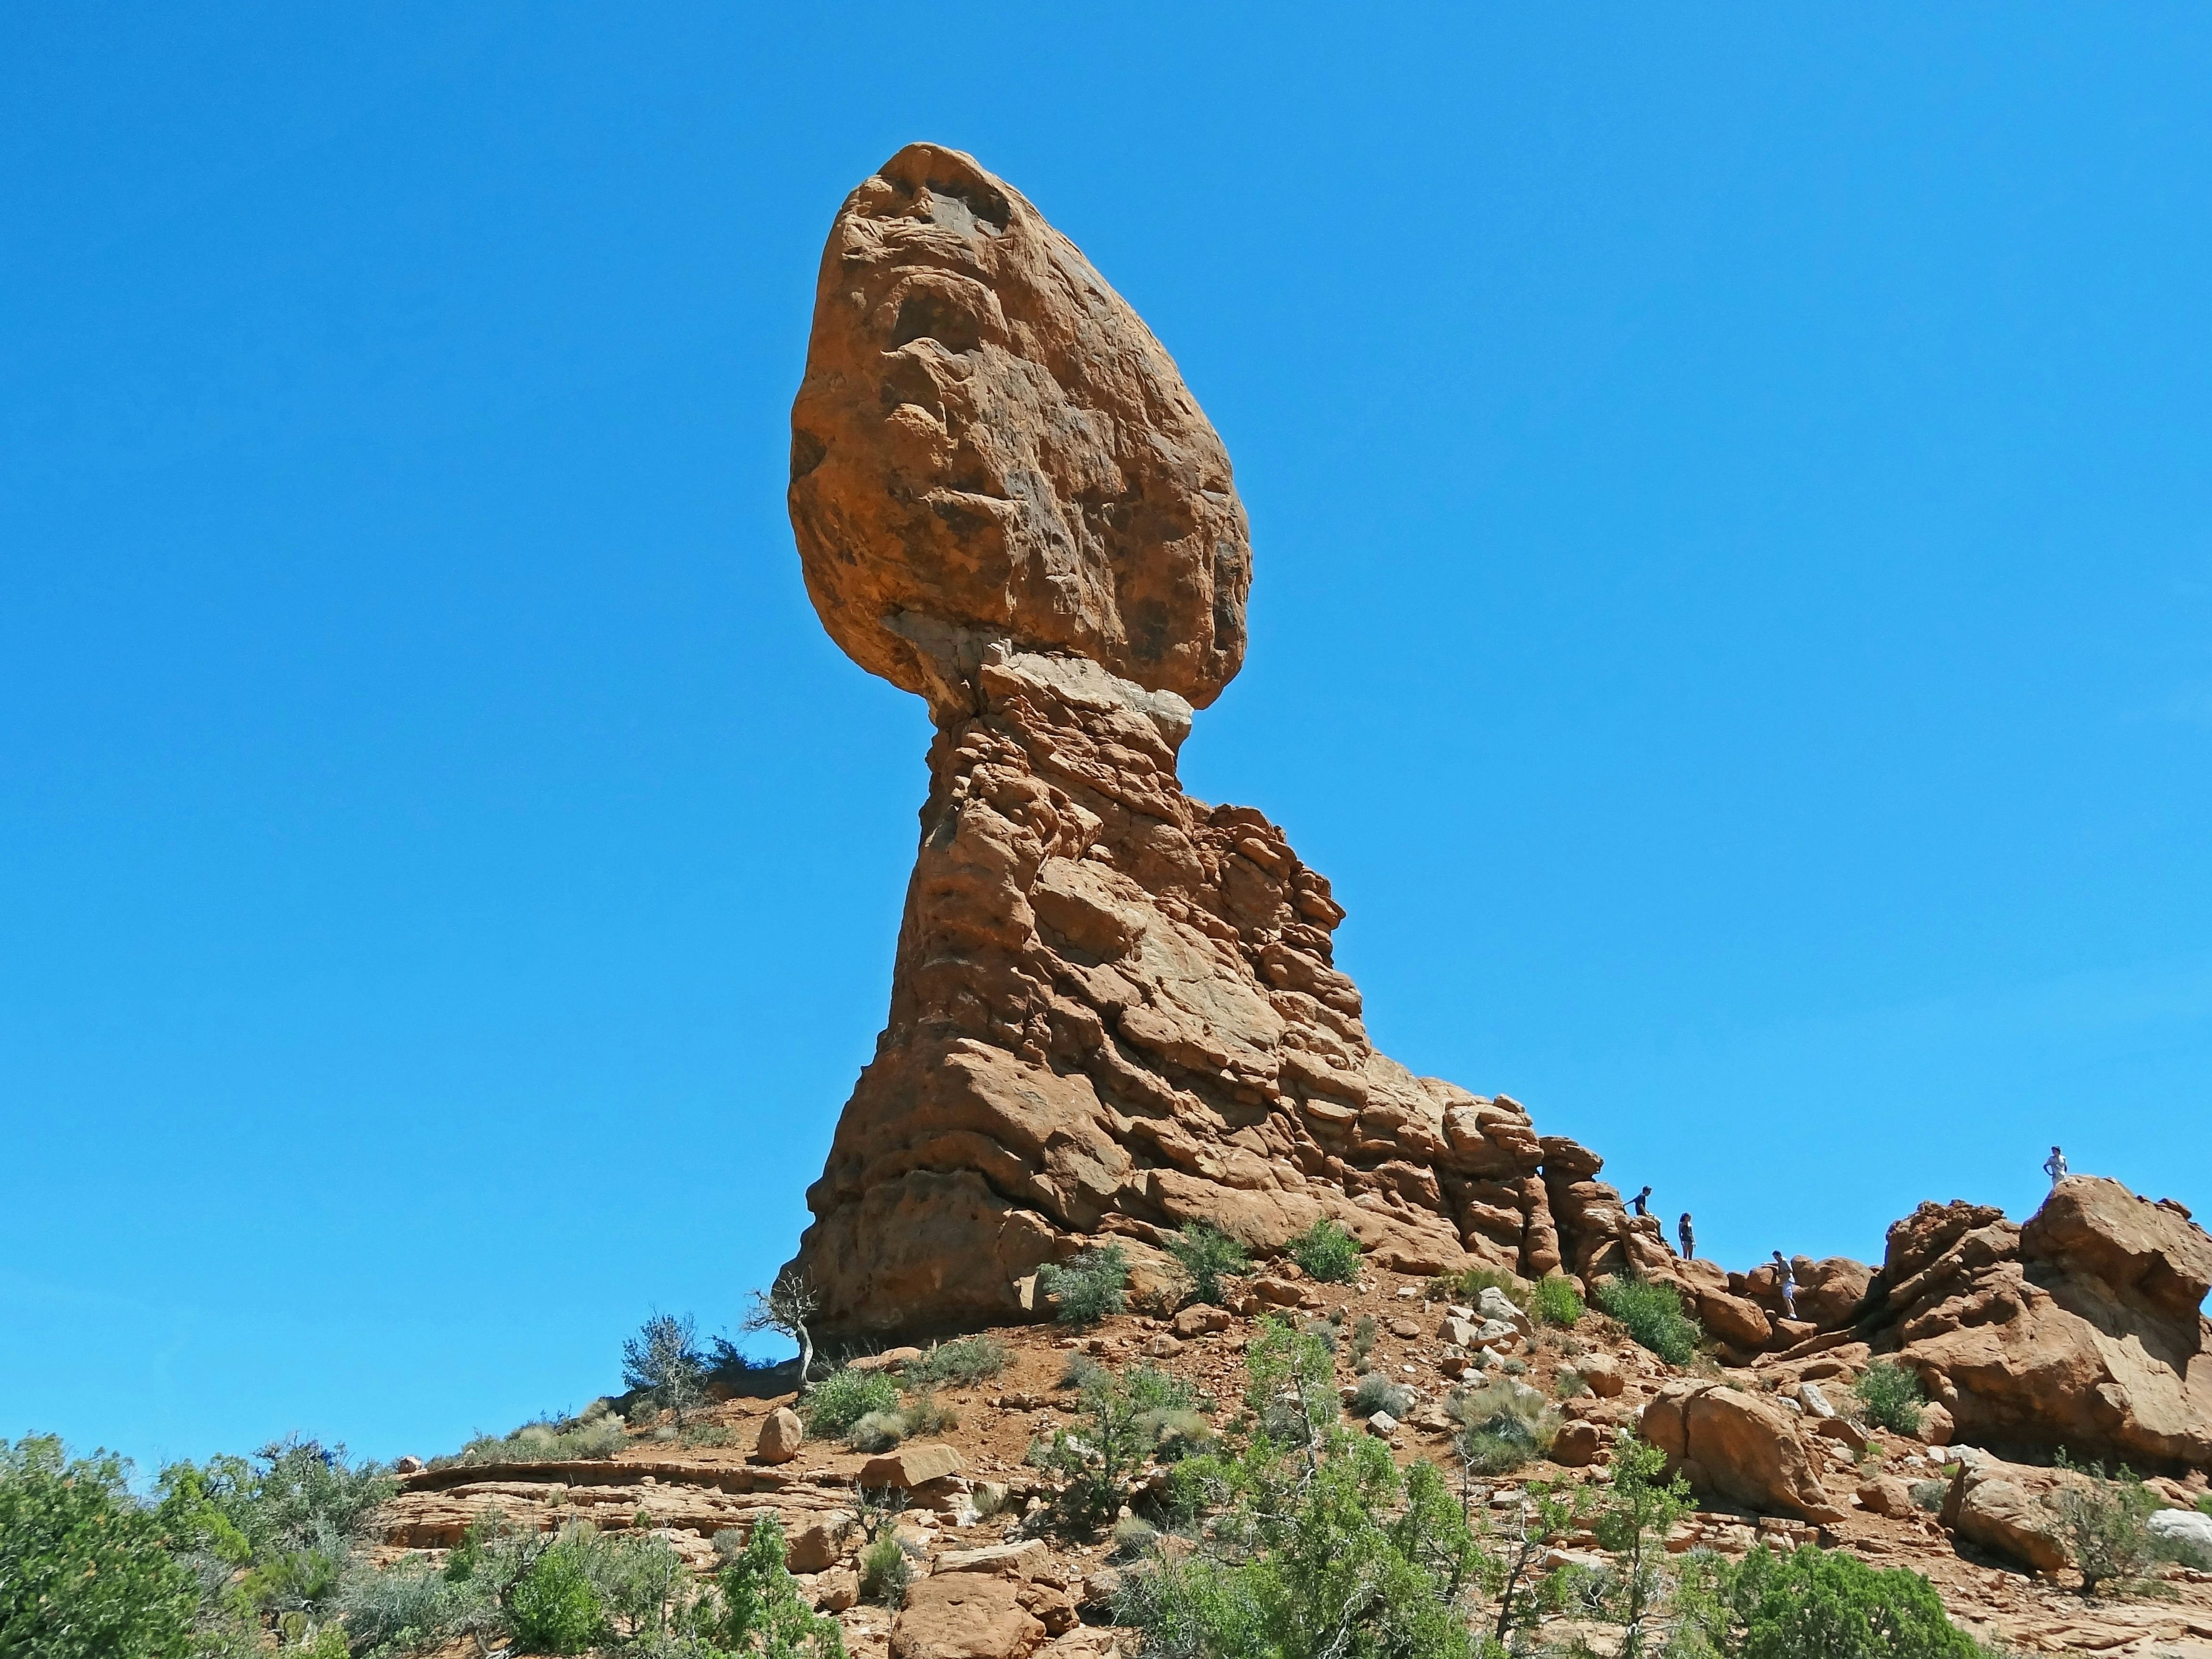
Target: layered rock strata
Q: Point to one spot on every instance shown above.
(1114, 1009)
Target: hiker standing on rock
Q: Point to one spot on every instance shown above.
(2055, 1166)
(1689, 1238)
(1639, 1202)
(1788, 1286)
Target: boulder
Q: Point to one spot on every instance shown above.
(1734, 1320)
(1576, 1444)
(820, 1544)
(910, 1466)
(2075, 1332)
(1741, 1446)
(2189, 1529)
(988, 441)
(1603, 1373)
(781, 1435)
(965, 1615)
(1493, 1306)
(1989, 1506)
(1886, 1495)
(1200, 1319)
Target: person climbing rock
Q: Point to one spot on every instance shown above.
(2055, 1166)
(1788, 1286)
(1639, 1200)
(1689, 1238)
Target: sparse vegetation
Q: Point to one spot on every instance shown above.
(1468, 1284)
(663, 1362)
(1555, 1302)
(1365, 1331)
(1503, 1426)
(844, 1397)
(1890, 1396)
(1088, 1288)
(1326, 1253)
(884, 1571)
(1929, 1494)
(1653, 1316)
(549, 1440)
(876, 1431)
(1122, 1421)
(963, 1364)
(2104, 1522)
(1377, 1393)
(1208, 1255)
(787, 1307)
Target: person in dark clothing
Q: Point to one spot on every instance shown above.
(1639, 1202)
(1689, 1238)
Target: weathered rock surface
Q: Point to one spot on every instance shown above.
(989, 444)
(2080, 1329)
(781, 1434)
(1114, 1009)
(1740, 1445)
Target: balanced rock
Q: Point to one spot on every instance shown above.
(988, 444)
(1114, 1009)
(780, 1435)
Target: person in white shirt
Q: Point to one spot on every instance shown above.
(1789, 1287)
(2055, 1166)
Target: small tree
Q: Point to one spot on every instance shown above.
(84, 1572)
(2105, 1525)
(1890, 1396)
(762, 1613)
(1546, 1509)
(1638, 1513)
(787, 1306)
(1091, 1286)
(663, 1360)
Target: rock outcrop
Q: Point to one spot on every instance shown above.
(1114, 1009)
(2080, 1329)
(1740, 1445)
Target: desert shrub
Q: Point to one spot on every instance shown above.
(1652, 1313)
(2205, 1503)
(1133, 1535)
(2172, 1546)
(1208, 1255)
(1323, 1331)
(1117, 1424)
(2105, 1523)
(548, 1440)
(663, 1361)
(1929, 1494)
(926, 1414)
(877, 1431)
(706, 1435)
(1328, 1253)
(1571, 1385)
(1352, 1558)
(761, 1611)
(1365, 1331)
(85, 1569)
(1503, 1426)
(1889, 1394)
(1089, 1286)
(844, 1397)
(883, 1572)
(1555, 1302)
(1468, 1284)
(1079, 1370)
(1831, 1604)
(408, 1607)
(1377, 1393)
(553, 1606)
(963, 1364)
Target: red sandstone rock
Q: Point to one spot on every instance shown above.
(989, 444)
(1740, 1445)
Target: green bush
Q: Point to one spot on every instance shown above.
(554, 1606)
(1831, 1604)
(1889, 1394)
(1377, 1393)
(85, 1570)
(1365, 1331)
(884, 1572)
(1555, 1302)
(1328, 1253)
(1468, 1284)
(1929, 1494)
(409, 1608)
(1208, 1255)
(1653, 1316)
(1090, 1287)
(844, 1397)
(2105, 1523)
(762, 1613)
(963, 1364)
(1078, 1370)
(2205, 1503)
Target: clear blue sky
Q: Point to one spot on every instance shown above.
(1733, 615)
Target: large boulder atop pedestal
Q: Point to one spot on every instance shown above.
(990, 444)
